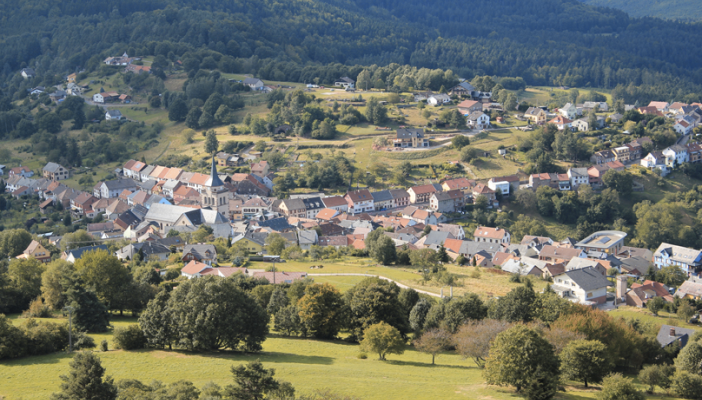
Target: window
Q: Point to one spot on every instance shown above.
(589, 295)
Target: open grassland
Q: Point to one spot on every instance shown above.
(643, 314)
(308, 364)
(541, 95)
(487, 283)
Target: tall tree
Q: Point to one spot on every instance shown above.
(157, 322)
(211, 142)
(104, 273)
(433, 342)
(321, 310)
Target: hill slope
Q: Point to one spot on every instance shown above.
(548, 42)
(684, 10)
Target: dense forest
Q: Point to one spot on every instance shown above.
(552, 42)
(684, 10)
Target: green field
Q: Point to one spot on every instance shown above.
(308, 364)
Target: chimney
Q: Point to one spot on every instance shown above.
(621, 288)
(672, 331)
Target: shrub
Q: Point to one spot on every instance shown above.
(687, 385)
(103, 345)
(37, 309)
(362, 356)
(81, 340)
(129, 338)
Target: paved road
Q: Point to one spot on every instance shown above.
(383, 278)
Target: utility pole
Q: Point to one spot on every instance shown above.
(70, 327)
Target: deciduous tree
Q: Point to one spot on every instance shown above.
(433, 342)
(382, 339)
(321, 310)
(585, 361)
(520, 357)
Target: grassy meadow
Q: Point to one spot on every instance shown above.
(308, 364)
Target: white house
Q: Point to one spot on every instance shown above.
(585, 286)
(682, 127)
(438, 99)
(491, 235)
(501, 186)
(98, 98)
(113, 115)
(675, 155)
(254, 83)
(656, 159)
(569, 111)
(345, 82)
(561, 122)
(578, 176)
(478, 120)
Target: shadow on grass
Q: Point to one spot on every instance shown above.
(427, 364)
(53, 358)
(273, 357)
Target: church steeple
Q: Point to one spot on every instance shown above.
(214, 180)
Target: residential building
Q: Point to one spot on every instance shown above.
(22, 171)
(689, 260)
(345, 82)
(383, 200)
(438, 99)
(561, 122)
(313, 205)
(72, 255)
(555, 254)
(586, 286)
(639, 294)
(578, 176)
(337, 203)
(462, 89)
(254, 83)
(400, 198)
(683, 127)
(491, 235)
(36, 250)
(661, 106)
(205, 253)
(690, 289)
(292, 208)
(461, 184)
(466, 107)
(482, 190)
(502, 187)
(27, 73)
(609, 242)
(536, 115)
(410, 137)
(569, 111)
(675, 155)
(260, 168)
(422, 194)
(55, 172)
(359, 201)
(669, 335)
(656, 160)
(113, 115)
(115, 187)
(603, 157)
(449, 201)
(478, 120)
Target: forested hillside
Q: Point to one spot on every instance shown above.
(684, 10)
(547, 42)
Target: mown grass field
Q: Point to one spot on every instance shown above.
(487, 283)
(308, 364)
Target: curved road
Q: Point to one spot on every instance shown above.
(383, 278)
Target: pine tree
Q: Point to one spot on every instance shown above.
(85, 380)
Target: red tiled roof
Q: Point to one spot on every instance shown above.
(491, 233)
(423, 189)
(334, 201)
